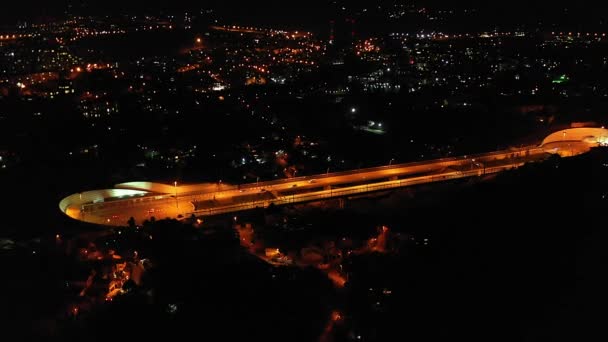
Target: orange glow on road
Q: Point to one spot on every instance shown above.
(334, 318)
(223, 198)
(336, 278)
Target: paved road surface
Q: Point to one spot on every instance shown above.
(221, 198)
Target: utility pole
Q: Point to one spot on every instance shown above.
(176, 201)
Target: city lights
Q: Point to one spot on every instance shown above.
(317, 171)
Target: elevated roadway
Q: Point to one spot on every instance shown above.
(144, 200)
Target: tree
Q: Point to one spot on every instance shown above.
(272, 209)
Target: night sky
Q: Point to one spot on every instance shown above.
(297, 10)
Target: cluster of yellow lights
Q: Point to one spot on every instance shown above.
(578, 34)
(14, 36)
(368, 46)
(188, 67)
(260, 69)
(36, 78)
(83, 33)
(89, 67)
(249, 29)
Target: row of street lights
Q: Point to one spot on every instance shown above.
(257, 182)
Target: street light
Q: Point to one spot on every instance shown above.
(176, 202)
(391, 161)
(478, 164)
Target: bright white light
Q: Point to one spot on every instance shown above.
(218, 87)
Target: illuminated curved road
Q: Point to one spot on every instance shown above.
(145, 200)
